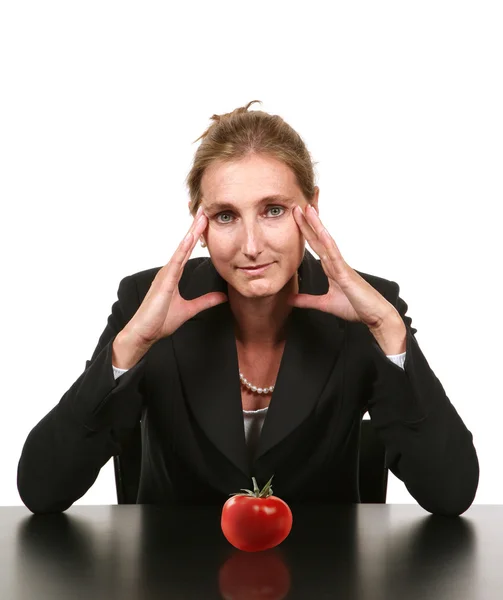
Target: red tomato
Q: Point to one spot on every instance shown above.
(257, 520)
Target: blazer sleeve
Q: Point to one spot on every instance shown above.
(63, 454)
(427, 444)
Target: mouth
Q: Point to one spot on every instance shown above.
(255, 270)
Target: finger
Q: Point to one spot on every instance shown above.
(321, 231)
(185, 243)
(195, 222)
(307, 231)
(174, 268)
(204, 302)
(330, 253)
(320, 246)
(193, 226)
(184, 250)
(197, 217)
(199, 226)
(308, 301)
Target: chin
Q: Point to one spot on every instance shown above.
(255, 291)
(259, 288)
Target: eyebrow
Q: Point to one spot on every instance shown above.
(218, 206)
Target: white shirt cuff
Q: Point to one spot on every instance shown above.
(398, 359)
(118, 372)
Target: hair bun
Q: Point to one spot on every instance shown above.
(241, 109)
(218, 118)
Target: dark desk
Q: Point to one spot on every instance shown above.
(141, 552)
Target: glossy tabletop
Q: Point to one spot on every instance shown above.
(141, 552)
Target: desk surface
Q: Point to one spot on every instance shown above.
(142, 552)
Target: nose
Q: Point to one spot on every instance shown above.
(252, 243)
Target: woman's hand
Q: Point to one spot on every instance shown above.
(163, 310)
(349, 296)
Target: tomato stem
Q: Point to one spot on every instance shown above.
(257, 493)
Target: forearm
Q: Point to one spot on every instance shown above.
(65, 451)
(427, 444)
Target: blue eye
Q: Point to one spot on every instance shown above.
(276, 208)
(222, 214)
(227, 214)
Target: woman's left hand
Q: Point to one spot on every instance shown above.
(349, 296)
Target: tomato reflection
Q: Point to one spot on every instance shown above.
(254, 576)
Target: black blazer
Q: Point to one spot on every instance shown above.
(186, 391)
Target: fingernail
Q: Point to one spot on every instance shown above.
(199, 211)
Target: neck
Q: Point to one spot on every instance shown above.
(262, 321)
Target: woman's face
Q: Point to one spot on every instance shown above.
(250, 223)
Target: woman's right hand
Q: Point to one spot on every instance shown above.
(163, 310)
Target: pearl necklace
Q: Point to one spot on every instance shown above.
(254, 388)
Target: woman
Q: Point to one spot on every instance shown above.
(312, 344)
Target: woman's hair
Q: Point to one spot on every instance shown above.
(237, 134)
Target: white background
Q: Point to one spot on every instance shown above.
(400, 104)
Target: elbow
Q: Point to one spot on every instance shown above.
(34, 494)
(454, 496)
(39, 505)
(40, 508)
(448, 507)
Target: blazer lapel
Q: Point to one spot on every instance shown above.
(206, 352)
(313, 344)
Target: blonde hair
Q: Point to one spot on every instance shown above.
(240, 133)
